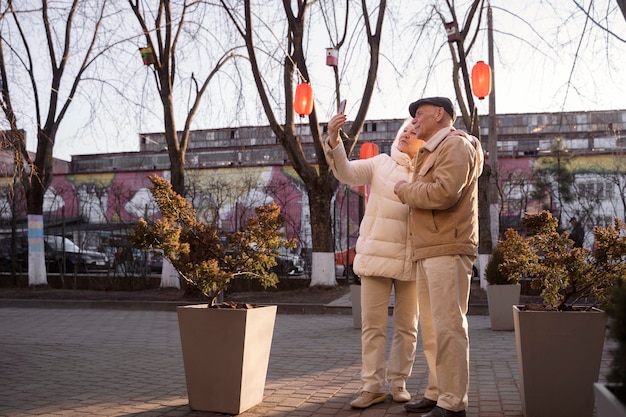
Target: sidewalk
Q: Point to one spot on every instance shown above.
(122, 363)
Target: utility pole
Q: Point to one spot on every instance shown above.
(494, 196)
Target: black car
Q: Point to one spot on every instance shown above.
(289, 263)
(21, 254)
(61, 254)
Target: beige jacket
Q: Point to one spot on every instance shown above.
(383, 248)
(443, 196)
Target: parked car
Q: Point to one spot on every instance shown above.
(59, 251)
(21, 255)
(289, 263)
(62, 251)
(130, 260)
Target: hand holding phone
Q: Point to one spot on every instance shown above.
(342, 106)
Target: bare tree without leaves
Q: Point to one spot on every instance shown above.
(164, 26)
(291, 53)
(66, 46)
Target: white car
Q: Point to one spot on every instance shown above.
(62, 251)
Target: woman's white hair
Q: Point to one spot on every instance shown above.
(403, 126)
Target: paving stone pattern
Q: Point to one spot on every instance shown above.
(112, 362)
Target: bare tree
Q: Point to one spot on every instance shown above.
(463, 34)
(47, 81)
(516, 193)
(287, 192)
(290, 52)
(601, 17)
(227, 199)
(166, 25)
(614, 172)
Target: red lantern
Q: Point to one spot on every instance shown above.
(303, 102)
(368, 150)
(481, 80)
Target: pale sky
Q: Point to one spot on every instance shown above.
(531, 75)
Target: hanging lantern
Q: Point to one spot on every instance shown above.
(303, 102)
(368, 150)
(452, 29)
(481, 80)
(332, 57)
(147, 54)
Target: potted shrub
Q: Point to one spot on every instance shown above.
(503, 292)
(225, 346)
(559, 343)
(611, 397)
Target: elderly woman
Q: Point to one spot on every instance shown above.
(382, 261)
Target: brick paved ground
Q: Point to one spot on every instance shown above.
(122, 363)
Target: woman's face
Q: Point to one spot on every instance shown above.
(408, 142)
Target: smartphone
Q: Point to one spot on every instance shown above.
(342, 106)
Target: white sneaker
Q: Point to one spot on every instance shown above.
(368, 398)
(400, 394)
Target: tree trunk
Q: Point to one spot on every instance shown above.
(323, 265)
(177, 171)
(38, 183)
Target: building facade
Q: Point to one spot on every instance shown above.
(571, 163)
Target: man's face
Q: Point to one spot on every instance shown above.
(425, 121)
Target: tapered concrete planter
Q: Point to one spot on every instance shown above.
(501, 299)
(558, 357)
(226, 355)
(355, 297)
(607, 404)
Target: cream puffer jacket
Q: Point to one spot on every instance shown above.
(383, 247)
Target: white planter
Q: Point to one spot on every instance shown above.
(226, 355)
(501, 299)
(607, 404)
(558, 357)
(355, 297)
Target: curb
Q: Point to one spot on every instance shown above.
(283, 308)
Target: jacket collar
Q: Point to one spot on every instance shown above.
(432, 143)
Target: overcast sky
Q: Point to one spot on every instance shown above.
(535, 71)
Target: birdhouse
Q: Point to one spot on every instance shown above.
(147, 54)
(452, 29)
(332, 57)
(303, 101)
(481, 80)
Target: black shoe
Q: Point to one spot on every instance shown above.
(442, 412)
(422, 406)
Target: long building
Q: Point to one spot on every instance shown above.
(230, 170)
(518, 135)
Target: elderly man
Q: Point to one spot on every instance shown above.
(443, 200)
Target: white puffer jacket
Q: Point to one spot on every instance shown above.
(383, 248)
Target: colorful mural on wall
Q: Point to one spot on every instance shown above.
(225, 196)
(228, 196)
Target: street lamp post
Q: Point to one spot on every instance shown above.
(494, 196)
(483, 85)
